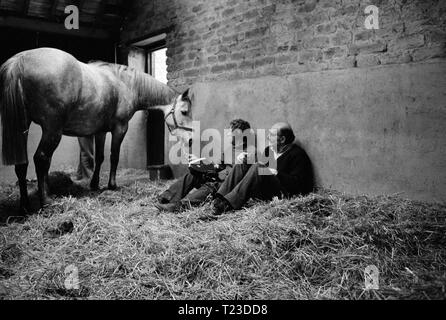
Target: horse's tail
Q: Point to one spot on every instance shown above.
(13, 113)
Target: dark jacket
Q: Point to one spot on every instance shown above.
(295, 171)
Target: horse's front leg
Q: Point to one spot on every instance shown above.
(118, 134)
(99, 159)
(42, 160)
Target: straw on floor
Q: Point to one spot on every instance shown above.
(313, 247)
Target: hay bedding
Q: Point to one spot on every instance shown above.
(313, 247)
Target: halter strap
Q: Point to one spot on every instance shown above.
(175, 122)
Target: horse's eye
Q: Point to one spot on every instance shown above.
(184, 112)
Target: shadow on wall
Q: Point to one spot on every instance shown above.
(315, 180)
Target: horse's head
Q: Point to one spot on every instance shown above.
(178, 117)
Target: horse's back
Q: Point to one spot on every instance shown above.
(47, 63)
(51, 53)
(51, 80)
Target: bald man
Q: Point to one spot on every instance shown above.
(291, 175)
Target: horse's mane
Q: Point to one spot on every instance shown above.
(149, 90)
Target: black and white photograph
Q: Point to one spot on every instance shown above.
(224, 155)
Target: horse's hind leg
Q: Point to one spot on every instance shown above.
(118, 135)
(42, 160)
(21, 170)
(99, 141)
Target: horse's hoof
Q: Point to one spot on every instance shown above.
(80, 181)
(25, 210)
(94, 187)
(46, 202)
(112, 187)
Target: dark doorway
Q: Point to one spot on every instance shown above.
(156, 66)
(155, 138)
(156, 62)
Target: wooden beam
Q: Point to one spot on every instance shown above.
(80, 4)
(52, 27)
(54, 4)
(100, 13)
(25, 7)
(124, 8)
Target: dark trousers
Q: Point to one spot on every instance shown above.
(245, 182)
(86, 158)
(180, 190)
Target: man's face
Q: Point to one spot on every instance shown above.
(275, 140)
(236, 136)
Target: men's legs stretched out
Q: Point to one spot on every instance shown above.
(180, 188)
(241, 187)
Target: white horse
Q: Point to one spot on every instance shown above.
(67, 97)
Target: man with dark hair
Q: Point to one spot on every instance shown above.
(293, 175)
(179, 195)
(239, 124)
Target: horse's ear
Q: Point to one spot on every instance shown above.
(185, 95)
(188, 96)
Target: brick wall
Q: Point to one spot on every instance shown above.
(235, 39)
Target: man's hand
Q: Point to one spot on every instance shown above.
(222, 175)
(273, 171)
(241, 157)
(191, 157)
(265, 170)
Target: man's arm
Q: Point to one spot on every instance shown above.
(298, 175)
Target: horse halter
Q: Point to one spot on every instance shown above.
(174, 118)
